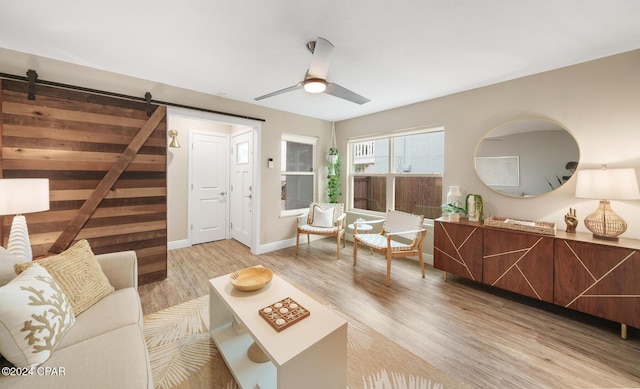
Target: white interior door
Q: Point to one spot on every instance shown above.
(241, 188)
(209, 187)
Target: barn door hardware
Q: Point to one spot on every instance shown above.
(32, 77)
(147, 97)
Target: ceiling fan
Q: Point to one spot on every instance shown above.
(315, 80)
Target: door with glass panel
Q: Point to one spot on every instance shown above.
(241, 214)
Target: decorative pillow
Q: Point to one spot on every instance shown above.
(322, 218)
(34, 316)
(78, 273)
(7, 263)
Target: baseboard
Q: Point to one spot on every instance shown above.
(178, 244)
(283, 244)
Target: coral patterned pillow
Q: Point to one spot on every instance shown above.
(34, 316)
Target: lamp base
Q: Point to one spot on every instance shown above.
(604, 223)
(19, 244)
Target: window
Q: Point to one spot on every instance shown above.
(402, 171)
(298, 172)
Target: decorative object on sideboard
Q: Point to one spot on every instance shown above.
(474, 208)
(174, 139)
(607, 184)
(571, 219)
(19, 196)
(454, 207)
(537, 227)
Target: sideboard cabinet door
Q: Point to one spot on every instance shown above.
(519, 262)
(458, 249)
(601, 280)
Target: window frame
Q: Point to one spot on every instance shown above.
(390, 175)
(310, 140)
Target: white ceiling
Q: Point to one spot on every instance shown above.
(393, 52)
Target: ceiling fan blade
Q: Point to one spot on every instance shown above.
(319, 67)
(344, 93)
(281, 91)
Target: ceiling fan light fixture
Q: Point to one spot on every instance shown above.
(315, 85)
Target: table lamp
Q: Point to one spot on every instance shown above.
(606, 184)
(19, 196)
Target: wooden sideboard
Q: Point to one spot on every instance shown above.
(573, 270)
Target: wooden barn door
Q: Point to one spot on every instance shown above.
(106, 162)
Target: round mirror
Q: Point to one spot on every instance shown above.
(526, 157)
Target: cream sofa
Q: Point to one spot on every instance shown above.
(105, 347)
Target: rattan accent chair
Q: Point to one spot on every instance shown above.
(402, 235)
(326, 219)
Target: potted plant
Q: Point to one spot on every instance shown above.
(452, 211)
(333, 178)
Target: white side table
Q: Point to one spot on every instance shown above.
(361, 227)
(311, 353)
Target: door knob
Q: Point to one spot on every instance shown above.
(223, 193)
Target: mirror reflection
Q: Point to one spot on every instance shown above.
(526, 157)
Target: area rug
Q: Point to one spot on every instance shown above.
(184, 356)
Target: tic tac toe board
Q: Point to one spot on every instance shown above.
(284, 313)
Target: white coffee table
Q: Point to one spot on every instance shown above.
(312, 353)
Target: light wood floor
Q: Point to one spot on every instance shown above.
(482, 336)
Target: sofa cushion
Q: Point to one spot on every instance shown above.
(119, 309)
(114, 360)
(34, 316)
(7, 263)
(78, 273)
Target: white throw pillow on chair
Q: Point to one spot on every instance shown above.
(322, 218)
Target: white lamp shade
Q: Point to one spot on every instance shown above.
(607, 184)
(23, 195)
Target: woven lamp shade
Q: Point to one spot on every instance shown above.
(607, 184)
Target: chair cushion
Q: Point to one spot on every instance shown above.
(307, 228)
(380, 242)
(78, 273)
(34, 316)
(322, 217)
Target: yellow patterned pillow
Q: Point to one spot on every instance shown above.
(34, 316)
(78, 273)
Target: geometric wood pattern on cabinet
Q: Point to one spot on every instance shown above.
(79, 140)
(601, 280)
(458, 249)
(572, 270)
(519, 262)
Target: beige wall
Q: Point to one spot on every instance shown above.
(273, 228)
(598, 101)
